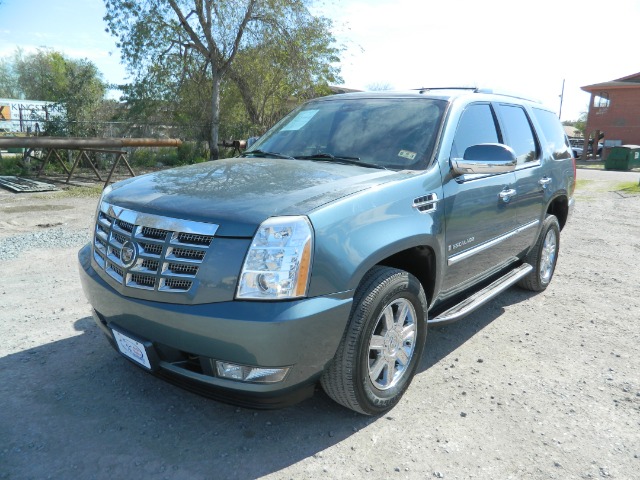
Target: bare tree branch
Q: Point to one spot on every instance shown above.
(236, 44)
(192, 34)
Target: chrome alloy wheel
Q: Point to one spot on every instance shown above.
(392, 344)
(548, 256)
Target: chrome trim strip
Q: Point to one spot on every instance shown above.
(452, 260)
(158, 221)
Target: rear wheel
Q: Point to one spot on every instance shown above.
(543, 256)
(382, 345)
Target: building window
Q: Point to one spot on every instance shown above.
(601, 100)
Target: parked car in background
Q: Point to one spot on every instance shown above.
(577, 146)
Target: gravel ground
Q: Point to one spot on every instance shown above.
(529, 387)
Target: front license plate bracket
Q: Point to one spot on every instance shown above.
(139, 351)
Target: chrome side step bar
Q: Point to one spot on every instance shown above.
(478, 299)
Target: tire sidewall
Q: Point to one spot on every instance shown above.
(401, 285)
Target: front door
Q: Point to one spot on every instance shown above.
(480, 211)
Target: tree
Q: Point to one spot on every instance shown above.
(9, 82)
(283, 69)
(379, 87)
(581, 123)
(50, 76)
(169, 45)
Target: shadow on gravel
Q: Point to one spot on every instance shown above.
(442, 340)
(76, 409)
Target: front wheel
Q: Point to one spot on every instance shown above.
(382, 345)
(543, 256)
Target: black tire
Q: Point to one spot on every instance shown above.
(543, 256)
(374, 364)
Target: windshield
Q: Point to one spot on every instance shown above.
(395, 133)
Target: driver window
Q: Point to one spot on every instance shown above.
(477, 125)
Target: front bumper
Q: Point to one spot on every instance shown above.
(186, 340)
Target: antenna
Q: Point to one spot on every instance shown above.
(561, 99)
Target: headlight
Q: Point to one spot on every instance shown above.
(278, 263)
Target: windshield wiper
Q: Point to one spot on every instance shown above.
(323, 157)
(262, 153)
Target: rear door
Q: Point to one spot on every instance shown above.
(531, 180)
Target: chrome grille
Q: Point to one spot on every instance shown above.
(150, 265)
(171, 284)
(188, 253)
(150, 252)
(154, 233)
(125, 225)
(119, 238)
(183, 269)
(195, 239)
(151, 249)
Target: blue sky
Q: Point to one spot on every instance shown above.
(521, 47)
(74, 27)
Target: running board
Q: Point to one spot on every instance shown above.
(478, 299)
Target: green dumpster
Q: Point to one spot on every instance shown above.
(624, 157)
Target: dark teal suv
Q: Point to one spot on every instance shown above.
(323, 252)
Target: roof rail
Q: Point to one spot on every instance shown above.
(426, 89)
(480, 90)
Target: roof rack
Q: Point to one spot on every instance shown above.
(426, 89)
(479, 90)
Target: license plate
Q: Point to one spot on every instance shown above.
(132, 349)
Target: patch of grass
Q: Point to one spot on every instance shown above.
(591, 165)
(11, 165)
(628, 187)
(77, 192)
(580, 184)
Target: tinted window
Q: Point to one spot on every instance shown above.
(397, 133)
(518, 133)
(476, 126)
(554, 134)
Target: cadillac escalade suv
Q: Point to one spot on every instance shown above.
(323, 252)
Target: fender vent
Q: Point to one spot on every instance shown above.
(426, 204)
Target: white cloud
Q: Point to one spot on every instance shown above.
(504, 44)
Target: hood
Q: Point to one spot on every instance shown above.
(238, 194)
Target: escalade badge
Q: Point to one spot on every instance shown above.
(128, 254)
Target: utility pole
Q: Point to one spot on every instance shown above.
(561, 99)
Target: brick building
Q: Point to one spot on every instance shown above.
(614, 111)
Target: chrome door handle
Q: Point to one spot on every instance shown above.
(506, 195)
(544, 182)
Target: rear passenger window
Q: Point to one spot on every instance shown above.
(518, 133)
(553, 133)
(476, 126)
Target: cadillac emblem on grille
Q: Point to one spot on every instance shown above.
(128, 254)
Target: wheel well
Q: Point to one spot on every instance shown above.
(560, 208)
(419, 262)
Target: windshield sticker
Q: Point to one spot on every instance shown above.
(300, 120)
(407, 154)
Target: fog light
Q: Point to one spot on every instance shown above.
(244, 373)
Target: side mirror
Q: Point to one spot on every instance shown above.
(485, 159)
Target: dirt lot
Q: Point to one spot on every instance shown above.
(529, 387)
